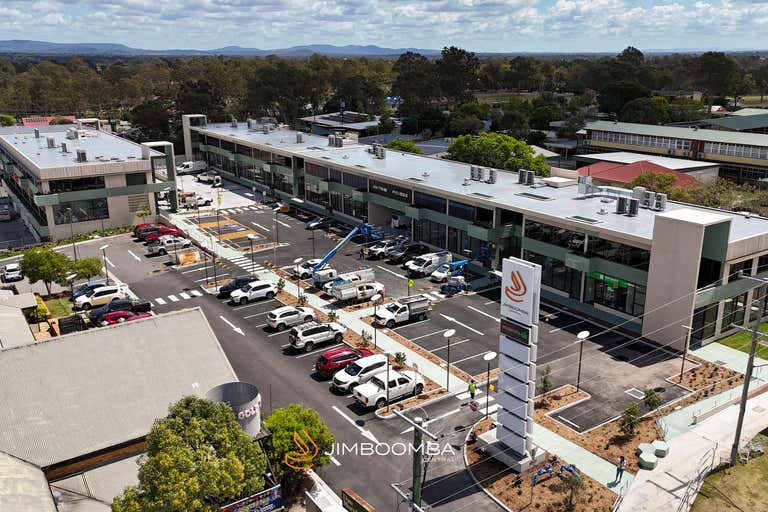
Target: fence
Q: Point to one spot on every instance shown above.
(705, 466)
(620, 497)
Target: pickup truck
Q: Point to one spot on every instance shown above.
(191, 167)
(306, 336)
(304, 270)
(402, 310)
(195, 201)
(365, 275)
(401, 384)
(167, 243)
(357, 292)
(208, 177)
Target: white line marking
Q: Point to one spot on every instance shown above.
(134, 256)
(444, 415)
(410, 325)
(260, 226)
(452, 344)
(196, 293)
(365, 433)
(173, 298)
(255, 314)
(285, 346)
(568, 421)
(110, 263)
(484, 313)
(236, 329)
(277, 333)
(218, 276)
(470, 357)
(566, 326)
(194, 270)
(238, 308)
(184, 295)
(160, 301)
(489, 302)
(401, 276)
(491, 408)
(284, 224)
(430, 334)
(319, 350)
(451, 319)
(333, 459)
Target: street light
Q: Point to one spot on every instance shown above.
(72, 234)
(689, 331)
(218, 224)
(376, 298)
(251, 238)
(277, 237)
(488, 357)
(103, 250)
(583, 335)
(447, 335)
(71, 280)
(298, 276)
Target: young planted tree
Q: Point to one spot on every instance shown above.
(88, 268)
(47, 266)
(630, 419)
(300, 441)
(573, 485)
(198, 458)
(546, 385)
(651, 399)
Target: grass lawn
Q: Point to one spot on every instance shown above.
(59, 307)
(740, 488)
(740, 341)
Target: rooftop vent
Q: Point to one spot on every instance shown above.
(72, 134)
(634, 206)
(37, 133)
(492, 176)
(480, 194)
(51, 142)
(537, 197)
(81, 156)
(621, 205)
(579, 218)
(64, 147)
(265, 128)
(299, 138)
(233, 124)
(467, 182)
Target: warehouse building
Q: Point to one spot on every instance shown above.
(647, 266)
(67, 180)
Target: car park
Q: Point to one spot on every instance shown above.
(132, 305)
(358, 372)
(167, 243)
(163, 231)
(393, 386)
(336, 359)
(119, 317)
(12, 272)
(100, 296)
(226, 290)
(84, 288)
(304, 270)
(319, 223)
(406, 252)
(288, 316)
(307, 336)
(253, 291)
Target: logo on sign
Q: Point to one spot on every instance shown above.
(516, 290)
(302, 458)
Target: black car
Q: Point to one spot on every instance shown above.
(407, 252)
(134, 306)
(237, 283)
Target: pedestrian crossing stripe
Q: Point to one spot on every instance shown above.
(184, 295)
(196, 293)
(160, 300)
(173, 298)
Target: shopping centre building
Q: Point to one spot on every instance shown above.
(646, 269)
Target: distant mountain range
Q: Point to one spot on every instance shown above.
(46, 48)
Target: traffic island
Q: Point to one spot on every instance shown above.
(544, 487)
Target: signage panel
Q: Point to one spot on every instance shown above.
(265, 501)
(520, 288)
(391, 191)
(354, 503)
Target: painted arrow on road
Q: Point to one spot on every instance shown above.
(451, 319)
(236, 329)
(364, 432)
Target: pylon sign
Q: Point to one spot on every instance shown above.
(520, 293)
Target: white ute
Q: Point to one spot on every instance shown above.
(401, 384)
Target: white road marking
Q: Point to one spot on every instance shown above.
(489, 302)
(285, 346)
(333, 459)
(410, 325)
(160, 301)
(433, 296)
(391, 272)
(173, 298)
(260, 226)
(284, 224)
(319, 350)
(134, 256)
(365, 433)
(277, 333)
(444, 415)
(451, 319)
(184, 295)
(430, 334)
(110, 263)
(238, 308)
(566, 326)
(194, 270)
(568, 421)
(484, 313)
(491, 408)
(218, 276)
(452, 344)
(196, 293)
(236, 329)
(255, 314)
(468, 358)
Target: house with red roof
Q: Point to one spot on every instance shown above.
(621, 175)
(44, 120)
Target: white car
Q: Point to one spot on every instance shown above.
(401, 384)
(359, 372)
(380, 249)
(254, 290)
(304, 270)
(288, 316)
(12, 272)
(307, 336)
(168, 243)
(101, 295)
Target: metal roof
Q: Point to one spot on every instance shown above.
(752, 139)
(14, 329)
(741, 123)
(91, 390)
(23, 486)
(627, 157)
(748, 112)
(446, 179)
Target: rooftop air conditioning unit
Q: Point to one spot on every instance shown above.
(265, 128)
(701, 155)
(64, 147)
(467, 182)
(660, 202)
(634, 206)
(299, 138)
(638, 192)
(249, 123)
(72, 134)
(81, 156)
(492, 176)
(332, 141)
(233, 124)
(647, 200)
(51, 142)
(530, 179)
(339, 143)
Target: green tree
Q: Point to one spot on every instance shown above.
(406, 146)
(88, 268)
(463, 124)
(616, 94)
(651, 399)
(61, 120)
(646, 111)
(656, 181)
(457, 73)
(499, 151)
(415, 82)
(630, 419)
(717, 73)
(7, 120)
(198, 458)
(285, 424)
(46, 265)
(536, 138)
(573, 485)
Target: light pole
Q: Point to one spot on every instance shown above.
(218, 224)
(447, 335)
(251, 238)
(490, 356)
(580, 338)
(298, 275)
(71, 280)
(213, 261)
(277, 238)
(103, 250)
(376, 298)
(689, 331)
(313, 243)
(387, 354)
(72, 234)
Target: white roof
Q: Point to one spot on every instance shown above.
(626, 157)
(749, 112)
(695, 216)
(541, 151)
(23, 486)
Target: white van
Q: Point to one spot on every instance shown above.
(191, 167)
(359, 372)
(425, 264)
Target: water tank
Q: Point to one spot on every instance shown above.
(634, 206)
(621, 205)
(245, 401)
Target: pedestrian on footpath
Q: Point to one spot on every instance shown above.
(472, 389)
(362, 252)
(620, 465)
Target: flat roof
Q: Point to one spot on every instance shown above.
(354, 120)
(740, 123)
(93, 490)
(100, 144)
(82, 392)
(446, 178)
(626, 157)
(753, 139)
(14, 329)
(748, 112)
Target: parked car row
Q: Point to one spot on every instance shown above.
(108, 304)
(160, 239)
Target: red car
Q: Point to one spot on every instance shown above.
(139, 227)
(338, 358)
(118, 317)
(165, 230)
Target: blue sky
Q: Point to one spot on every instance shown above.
(479, 25)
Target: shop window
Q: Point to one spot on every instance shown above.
(81, 211)
(136, 178)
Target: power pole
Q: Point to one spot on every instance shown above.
(418, 460)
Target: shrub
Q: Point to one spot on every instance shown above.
(651, 399)
(630, 419)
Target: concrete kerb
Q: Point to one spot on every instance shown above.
(472, 475)
(65, 246)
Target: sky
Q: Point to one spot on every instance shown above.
(477, 25)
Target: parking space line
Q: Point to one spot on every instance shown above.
(452, 344)
(410, 325)
(278, 333)
(196, 293)
(211, 276)
(470, 357)
(490, 302)
(430, 334)
(392, 272)
(173, 298)
(568, 421)
(451, 319)
(255, 314)
(260, 226)
(160, 301)
(321, 349)
(484, 313)
(238, 308)
(193, 270)
(285, 346)
(284, 224)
